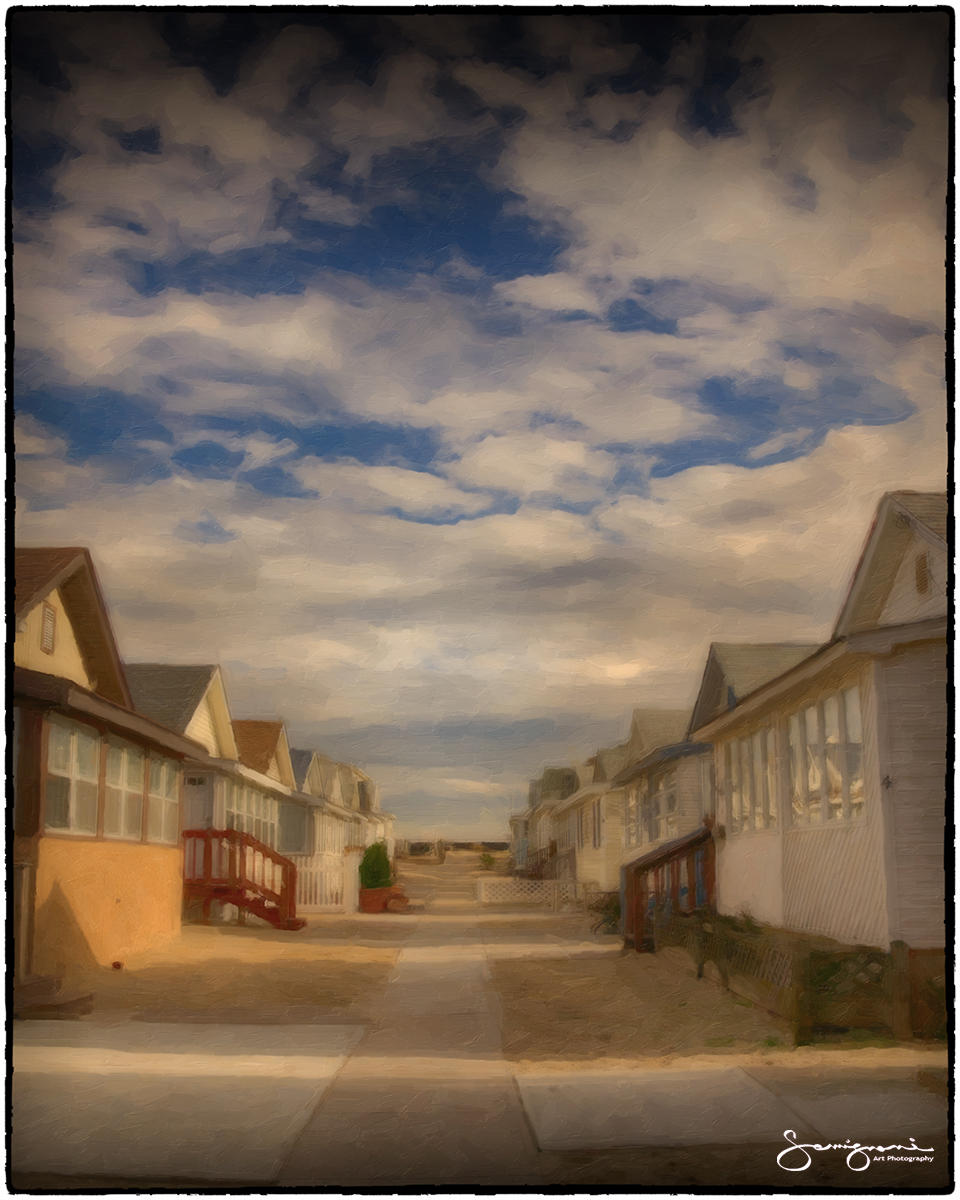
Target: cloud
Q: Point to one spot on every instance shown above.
(454, 380)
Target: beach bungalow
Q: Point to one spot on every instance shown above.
(97, 785)
(546, 792)
(831, 780)
(588, 825)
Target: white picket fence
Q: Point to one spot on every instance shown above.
(320, 886)
(551, 893)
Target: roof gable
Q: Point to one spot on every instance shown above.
(190, 699)
(69, 570)
(902, 520)
(263, 746)
(651, 728)
(301, 761)
(734, 670)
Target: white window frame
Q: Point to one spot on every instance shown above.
(163, 804)
(813, 804)
(75, 731)
(129, 798)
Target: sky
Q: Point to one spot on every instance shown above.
(455, 378)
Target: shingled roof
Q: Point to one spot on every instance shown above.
(257, 742)
(168, 694)
(734, 670)
(929, 508)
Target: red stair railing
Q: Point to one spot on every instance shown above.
(237, 868)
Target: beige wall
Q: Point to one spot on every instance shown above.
(66, 660)
(203, 728)
(750, 876)
(97, 902)
(904, 602)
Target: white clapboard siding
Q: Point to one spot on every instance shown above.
(914, 693)
(202, 728)
(834, 875)
(905, 603)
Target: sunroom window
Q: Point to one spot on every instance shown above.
(123, 798)
(163, 822)
(72, 792)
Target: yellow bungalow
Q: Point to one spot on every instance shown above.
(97, 786)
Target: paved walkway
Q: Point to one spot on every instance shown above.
(421, 1095)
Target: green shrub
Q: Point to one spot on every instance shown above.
(606, 908)
(375, 867)
(487, 861)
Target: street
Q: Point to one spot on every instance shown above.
(446, 1052)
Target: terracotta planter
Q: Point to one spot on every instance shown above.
(374, 900)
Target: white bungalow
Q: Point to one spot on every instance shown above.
(588, 825)
(831, 776)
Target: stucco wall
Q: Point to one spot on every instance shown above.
(97, 902)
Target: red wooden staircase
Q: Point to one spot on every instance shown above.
(236, 868)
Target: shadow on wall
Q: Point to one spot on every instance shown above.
(60, 946)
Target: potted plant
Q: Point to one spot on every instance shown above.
(377, 893)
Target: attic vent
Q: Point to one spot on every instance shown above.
(48, 628)
(922, 569)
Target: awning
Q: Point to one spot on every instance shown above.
(655, 758)
(676, 848)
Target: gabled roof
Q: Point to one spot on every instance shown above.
(929, 509)
(258, 742)
(610, 761)
(900, 516)
(653, 727)
(39, 570)
(734, 670)
(172, 694)
(167, 693)
(300, 761)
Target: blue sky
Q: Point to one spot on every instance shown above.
(455, 378)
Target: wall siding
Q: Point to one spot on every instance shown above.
(203, 729)
(750, 876)
(66, 659)
(904, 603)
(914, 694)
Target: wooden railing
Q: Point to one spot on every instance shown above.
(237, 868)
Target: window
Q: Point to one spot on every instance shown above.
(921, 566)
(123, 796)
(295, 827)
(597, 823)
(163, 814)
(581, 814)
(826, 760)
(72, 793)
(48, 628)
(630, 817)
(750, 781)
(661, 811)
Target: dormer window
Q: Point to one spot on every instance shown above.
(921, 568)
(48, 628)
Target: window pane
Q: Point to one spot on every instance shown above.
(88, 755)
(812, 732)
(112, 812)
(155, 820)
(797, 781)
(85, 797)
(58, 748)
(756, 754)
(134, 770)
(133, 817)
(854, 750)
(773, 791)
(736, 800)
(156, 777)
(831, 733)
(57, 803)
(114, 766)
(171, 821)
